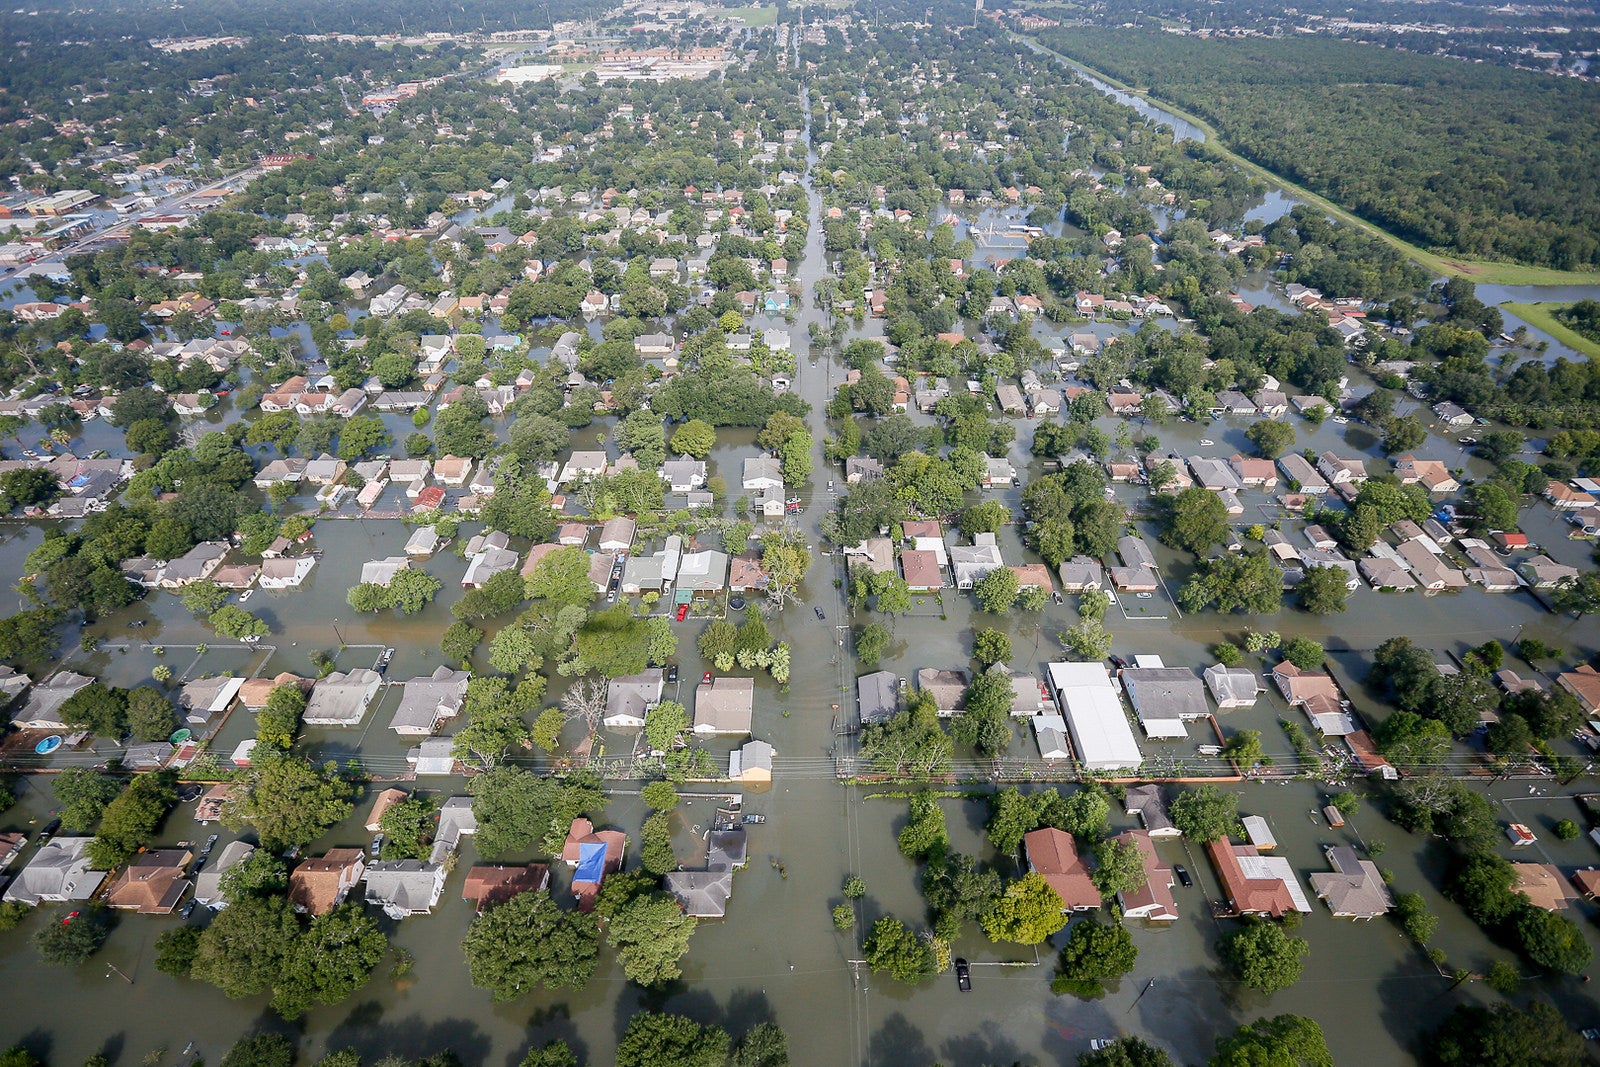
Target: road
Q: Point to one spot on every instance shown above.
(121, 226)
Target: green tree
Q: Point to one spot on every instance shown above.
(1244, 748)
(1087, 640)
(911, 744)
(986, 723)
(1322, 591)
(1119, 867)
(412, 589)
(67, 941)
(1095, 952)
(553, 1053)
(664, 724)
(99, 709)
(924, 833)
(1504, 1036)
(235, 622)
(656, 1039)
(1263, 957)
(83, 795)
(694, 438)
(129, 822)
(288, 801)
(1551, 940)
(1271, 437)
(1234, 582)
(1412, 912)
(242, 951)
(871, 643)
(659, 796)
(1282, 1041)
(891, 946)
(1195, 520)
(151, 716)
(1205, 813)
(203, 597)
(1304, 653)
(1028, 912)
(991, 646)
(764, 1045)
(278, 723)
(1402, 434)
(1126, 1052)
(655, 845)
(408, 828)
(528, 942)
(997, 590)
(176, 950)
(459, 641)
(517, 809)
(330, 962)
(651, 934)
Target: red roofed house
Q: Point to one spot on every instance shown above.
(1255, 884)
(429, 499)
(583, 833)
(1583, 683)
(1053, 854)
(496, 885)
(1153, 900)
(922, 570)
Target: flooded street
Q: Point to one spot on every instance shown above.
(777, 957)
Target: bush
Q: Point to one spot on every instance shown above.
(1228, 654)
(1566, 830)
(659, 796)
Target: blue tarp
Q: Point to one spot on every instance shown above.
(591, 862)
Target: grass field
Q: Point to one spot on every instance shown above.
(1543, 317)
(755, 17)
(1473, 270)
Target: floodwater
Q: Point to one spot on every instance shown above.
(776, 956)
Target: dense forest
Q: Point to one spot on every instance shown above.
(1469, 160)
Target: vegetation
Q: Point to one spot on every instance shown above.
(1094, 954)
(1263, 957)
(527, 943)
(1322, 113)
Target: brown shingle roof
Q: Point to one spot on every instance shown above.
(1053, 854)
(496, 885)
(317, 884)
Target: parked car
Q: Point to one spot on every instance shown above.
(683, 612)
(672, 672)
(963, 976)
(1183, 875)
(819, 612)
(377, 846)
(1145, 596)
(705, 679)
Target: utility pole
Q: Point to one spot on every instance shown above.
(1148, 986)
(124, 977)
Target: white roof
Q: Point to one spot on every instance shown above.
(1260, 834)
(1094, 714)
(1276, 868)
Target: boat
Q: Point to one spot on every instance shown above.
(1207, 441)
(181, 735)
(752, 819)
(383, 660)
